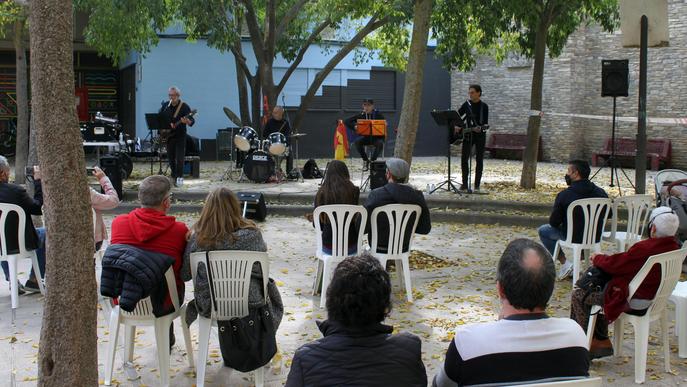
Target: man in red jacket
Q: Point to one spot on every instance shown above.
(622, 268)
(150, 228)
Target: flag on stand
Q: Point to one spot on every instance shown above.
(340, 142)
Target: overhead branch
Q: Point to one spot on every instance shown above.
(256, 36)
(289, 16)
(270, 27)
(301, 53)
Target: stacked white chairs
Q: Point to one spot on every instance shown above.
(5, 210)
(638, 210)
(143, 315)
(671, 267)
(595, 213)
(230, 273)
(398, 216)
(340, 217)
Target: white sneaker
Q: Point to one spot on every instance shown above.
(566, 270)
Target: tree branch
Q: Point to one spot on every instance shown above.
(256, 36)
(289, 16)
(270, 27)
(240, 59)
(301, 53)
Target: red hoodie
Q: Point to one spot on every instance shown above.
(152, 230)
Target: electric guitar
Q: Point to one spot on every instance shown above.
(165, 134)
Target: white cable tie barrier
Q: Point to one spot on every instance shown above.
(681, 121)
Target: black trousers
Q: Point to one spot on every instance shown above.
(479, 141)
(378, 143)
(176, 152)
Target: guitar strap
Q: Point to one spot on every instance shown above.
(176, 112)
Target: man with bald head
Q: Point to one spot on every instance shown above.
(277, 123)
(524, 345)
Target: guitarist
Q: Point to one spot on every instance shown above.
(176, 114)
(476, 113)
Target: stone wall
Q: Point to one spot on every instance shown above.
(572, 84)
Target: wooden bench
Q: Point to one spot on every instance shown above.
(657, 150)
(509, 146)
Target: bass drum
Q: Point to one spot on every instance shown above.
(277, 144)
(246, 138)
(258, 166)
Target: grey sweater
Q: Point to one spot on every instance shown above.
(244, 239)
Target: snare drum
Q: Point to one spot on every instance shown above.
(246, 139)
(258, 166)
(277, 145)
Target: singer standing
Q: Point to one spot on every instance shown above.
(176, 114)
(476, 113)
(369, 113)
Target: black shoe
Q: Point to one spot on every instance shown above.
(20, 288)
(31, 286)
(463, 187)
(366, 165)
(172, 339)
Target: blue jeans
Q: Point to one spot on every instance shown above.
(40, 252)
(549, 235)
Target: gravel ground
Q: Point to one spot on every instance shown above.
(453, 281)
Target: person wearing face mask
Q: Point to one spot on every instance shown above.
(622, 268)
(579, 187)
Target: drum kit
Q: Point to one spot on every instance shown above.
(262, 156)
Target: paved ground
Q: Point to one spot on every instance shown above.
(501, 179)
(453, 281)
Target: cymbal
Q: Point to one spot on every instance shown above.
(296, 135)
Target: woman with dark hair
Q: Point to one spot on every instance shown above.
(221, 227)
(357, 349)
(337, 188)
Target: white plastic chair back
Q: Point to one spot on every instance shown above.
(144, 308)
(340, 216)
(230, 273)
(5, 210)
(638, 210)
(399, 216)
(595, 213)
(586, 382)
(671, 268)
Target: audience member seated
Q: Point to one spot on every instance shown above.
(221, 227)
(337, 188)
(357, 349)
(577, 178)
(150, 228)
(100, 202)
(622, 268)
(396, 191)
(524, 345)
(34, 238)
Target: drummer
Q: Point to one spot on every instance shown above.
(277, 123)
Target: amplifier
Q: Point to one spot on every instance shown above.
(253, 205)
(377, 174)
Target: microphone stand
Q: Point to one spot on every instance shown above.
(293, 132)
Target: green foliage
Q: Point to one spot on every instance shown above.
(116, 27)
(10, 11)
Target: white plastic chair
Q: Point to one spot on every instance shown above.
(231, 273)
(671, 268)
(595, 212)
(399, 216)
(340, 217)
(679, 298)
(638, 210)
(586, 382)
(143, 315)
(6, 209)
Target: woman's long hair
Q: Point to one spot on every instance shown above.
(337, 187)
(219, 219)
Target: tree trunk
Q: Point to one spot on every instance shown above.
(528, 178)
(22, 138)
(68, 342)
(243, 95)
(412, 93)
(256, 103)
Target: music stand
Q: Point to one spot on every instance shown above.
(447, 118)
(154, 122)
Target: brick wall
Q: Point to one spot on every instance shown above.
(572, 84)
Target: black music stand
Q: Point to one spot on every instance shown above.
(154, 122)
(447, 118)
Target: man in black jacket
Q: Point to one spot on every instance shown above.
(357, 348)
(34, 238)
(369, 113)
(396, 191)
(577, 177)
(278, 124)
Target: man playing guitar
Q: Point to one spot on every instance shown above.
(476, 120)
(176, 114)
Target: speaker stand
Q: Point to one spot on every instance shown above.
(612, 161)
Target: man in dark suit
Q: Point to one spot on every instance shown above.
(34, 238)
